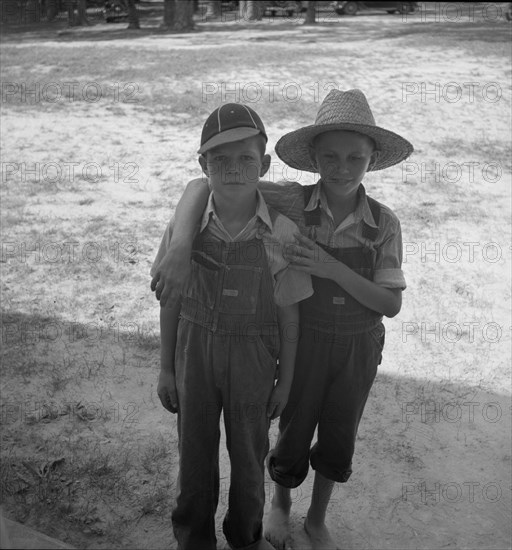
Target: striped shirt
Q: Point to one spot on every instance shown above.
(290, 286)
(288, 198)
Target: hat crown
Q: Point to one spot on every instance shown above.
(350, 107)
(229, 116)
(345, 111)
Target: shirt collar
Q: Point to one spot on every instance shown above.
(261, 211)
(362, 211)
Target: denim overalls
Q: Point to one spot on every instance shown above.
(226, 351)
(338, 353)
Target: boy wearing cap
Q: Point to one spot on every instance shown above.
(219, 347)
(353, 250)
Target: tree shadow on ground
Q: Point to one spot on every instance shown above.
(432, 457)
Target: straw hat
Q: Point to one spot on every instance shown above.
(343, 111)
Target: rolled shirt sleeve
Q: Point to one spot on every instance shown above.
(290, 286)
(388, 264)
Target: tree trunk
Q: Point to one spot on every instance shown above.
(252, 10)
(213, 8)
(70, 4)
(242, 9)
(310, 13)
(82, 13)
(178, 15)
(184, 15)
(52, 9)
(260, 9)
(133, 16)
(169, 9)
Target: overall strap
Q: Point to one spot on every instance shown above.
(370, 232)
(311, 217)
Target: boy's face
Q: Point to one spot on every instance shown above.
(237, 166)
(342, 159)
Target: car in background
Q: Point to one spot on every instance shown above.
(229, 5)
(285, 9)
(351, 8)
(116, 10)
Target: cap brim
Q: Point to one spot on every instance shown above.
(229, 136)
(293, 148)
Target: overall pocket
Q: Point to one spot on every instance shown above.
(240, 290)
(202, 285)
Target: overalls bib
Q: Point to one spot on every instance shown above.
(226, 352)
(331, 309)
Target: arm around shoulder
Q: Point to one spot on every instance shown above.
(172, 273)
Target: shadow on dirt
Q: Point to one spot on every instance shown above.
(415, 464)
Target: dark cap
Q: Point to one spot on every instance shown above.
(228, 123)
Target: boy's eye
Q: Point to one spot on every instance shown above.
(218, 158)
(247, 157)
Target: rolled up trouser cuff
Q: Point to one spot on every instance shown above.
(285, 480)
(328, 471)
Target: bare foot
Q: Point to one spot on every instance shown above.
(277, 528)
(319, 536)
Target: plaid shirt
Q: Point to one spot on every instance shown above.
(288, 198)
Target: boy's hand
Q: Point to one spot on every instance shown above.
(166, 391)
(309, 257)
(171, 275)
(277, 401)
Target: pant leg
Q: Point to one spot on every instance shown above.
(354, 366)
(288, 462)
(250, 371)
(199, 401)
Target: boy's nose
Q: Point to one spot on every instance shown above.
(342, 168)
(231, 165)
(337, 168)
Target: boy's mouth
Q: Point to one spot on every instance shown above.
(339, 180)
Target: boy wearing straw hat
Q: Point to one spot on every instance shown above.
(352, 247)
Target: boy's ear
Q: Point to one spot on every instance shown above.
(265, 164)
(202, 162)
(373, 158)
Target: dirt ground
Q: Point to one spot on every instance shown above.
(88, 453)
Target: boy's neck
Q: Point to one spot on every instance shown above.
(235, 211)
(341, 205)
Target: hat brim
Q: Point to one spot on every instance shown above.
(294, 148)
(229, 136)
